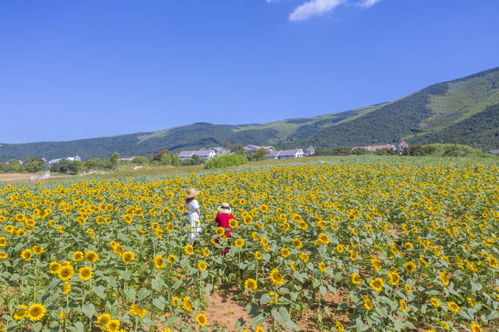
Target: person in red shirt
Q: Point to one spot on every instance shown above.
(224, 215)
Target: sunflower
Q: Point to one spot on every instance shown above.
(435, 302)
(393, 278)
(403, 305)
(239, 243)
(297, 243)
(258, 255)
(91, 256)
(66, 288)
(339, 326)
(453, 306)
(367, 302)
(3, 241)
(186, 304)
(62, 316)
(171, 258)
(408, 288)
(85, 273)
(175, 302)
(285, 252)
(251, 285)
(274, 297)
(37, 250)
(26, 254)
(475, 327)
(36, 312)
(340, 248)
(377, 284)
(264, 208)
(443, 278)
(188, 249)
(3, 255)
(159, 262)
(128, 257)
(322, 267)
(78, 256)
(65, 272)
(304, 257)
(276, 277)
(376, 264)
(21, 312)
(356, 280)
(54, 267)
(202, 265)
(220, 231)
(233, 223)
(113, 325)
(201, 320)
(322, 238)
(410, 267)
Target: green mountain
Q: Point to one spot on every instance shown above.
(464, 111)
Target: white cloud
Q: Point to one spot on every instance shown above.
(314, 8)
(319, 7)
(367, 3)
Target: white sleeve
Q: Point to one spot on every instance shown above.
(195, 204)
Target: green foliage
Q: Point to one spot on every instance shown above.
(115, 160)
(96, 163)
(444, 150)
(225, 160)
(195, 160)
(140, 160)
(337, 151)
(166, 157)
(67, 167)
(259, 154)
(33, 164)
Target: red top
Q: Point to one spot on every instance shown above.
(223, 221)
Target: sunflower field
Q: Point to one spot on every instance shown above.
(379, 247)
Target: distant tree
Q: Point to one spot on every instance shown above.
(115, 160)
(361, 151)
(238, 149)
(195, 160)
(67, 167)
(259, 154)
(140, 160)
(166, 157)
(96, 163)
(386, 152)
(14, 166)
(33, 164)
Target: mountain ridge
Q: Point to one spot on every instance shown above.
(446, 112)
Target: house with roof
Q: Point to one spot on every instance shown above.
(206, 154)
(52, 162)
(310, 151)
(203, 154)
(220, 150)
(253, 148)
(493, 151)
(402, 146)
(286, 154)
(375, 148)
(186, 155)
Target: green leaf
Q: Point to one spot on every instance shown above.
(88, 310)
(159, 303)
(157, 284)
(476, 286)
(37, 327)
(100, 291)
(130, 293)
(265, 299)
(143, 293)
(257, 320)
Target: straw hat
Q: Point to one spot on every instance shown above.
(191, 193)
(224, 208)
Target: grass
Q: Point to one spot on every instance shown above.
(184, 171)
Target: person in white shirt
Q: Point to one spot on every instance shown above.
(192, 207)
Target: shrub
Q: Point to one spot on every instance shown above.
(225, 160)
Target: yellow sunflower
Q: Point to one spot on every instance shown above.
(36, 312)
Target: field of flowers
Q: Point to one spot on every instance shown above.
(381, 246)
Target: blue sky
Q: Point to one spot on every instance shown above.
(89, 68)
